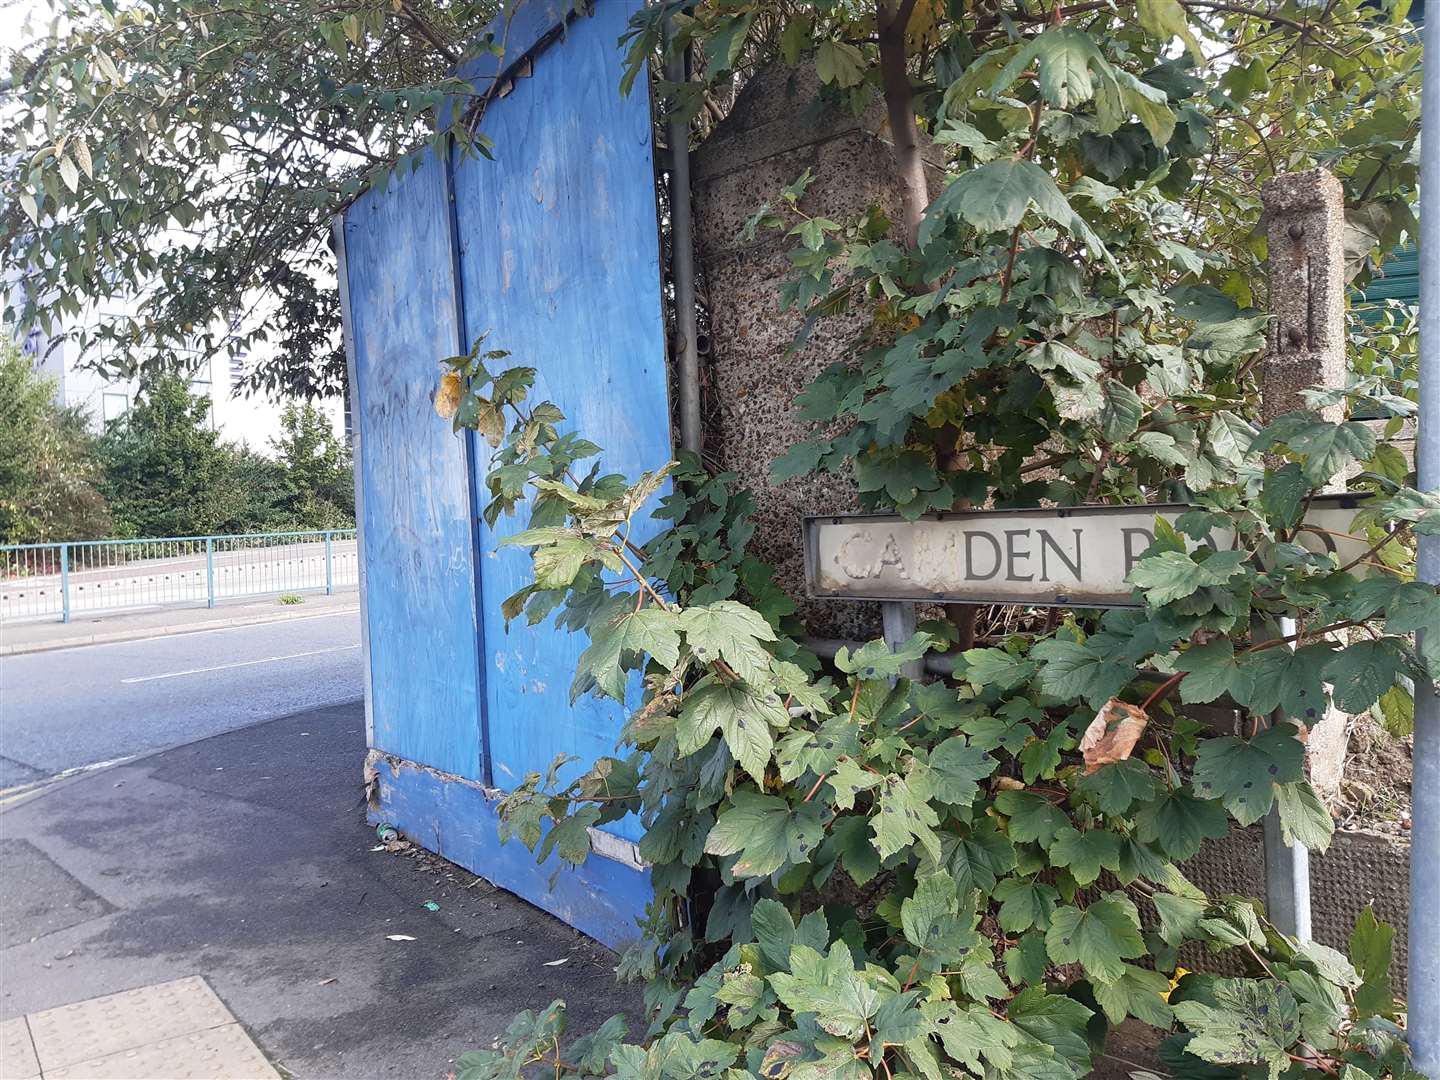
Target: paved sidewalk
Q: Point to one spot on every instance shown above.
(38, 635)
(174, 1029)
(245, 859)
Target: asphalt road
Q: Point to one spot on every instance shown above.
(79, 707)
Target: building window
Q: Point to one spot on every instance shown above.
(113, 406)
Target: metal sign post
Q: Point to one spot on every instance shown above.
(1424, 959)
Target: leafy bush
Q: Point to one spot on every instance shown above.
(49, 476)
(859, 874)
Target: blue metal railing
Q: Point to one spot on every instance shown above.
(80, 577)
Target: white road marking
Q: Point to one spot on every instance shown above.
(9, 794)
(239, 663)
(166, 634)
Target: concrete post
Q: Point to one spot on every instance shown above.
(1305, 227)
(1305, 346)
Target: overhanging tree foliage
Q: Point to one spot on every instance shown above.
(190, 154)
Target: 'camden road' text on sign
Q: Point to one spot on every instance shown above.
(1076, 557)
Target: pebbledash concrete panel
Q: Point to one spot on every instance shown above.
(17, 1052)
(101, 1028)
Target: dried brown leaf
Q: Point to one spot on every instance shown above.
(1113, 733)
(447, 396)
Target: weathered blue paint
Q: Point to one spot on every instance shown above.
(560, 264)
(457, 819)
(418, 545)
(553, 250)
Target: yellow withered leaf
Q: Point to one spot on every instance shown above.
(447, 396)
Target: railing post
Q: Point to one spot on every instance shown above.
(65, 583)
(209, 571)
(329, 566)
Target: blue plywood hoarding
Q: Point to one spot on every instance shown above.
(552, 249)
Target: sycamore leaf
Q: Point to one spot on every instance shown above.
(765, 832)
(1085, 854)
(905, 815)
(1099, 938)
(1032, 817)
(743, 715)
(1252, 1021)
(996, 196)
(1243, 775)
(1291, 681)
(958, 768)
(1173, 575)
(1303, 817)
(1361, 672)
(830, 987)
(1179, 916)
(1072, 670)
(1112, 735)
(1214, 671)
(1180, 823)
(730, 631)
(1024, 904)
(1140, 993)
(1325, 448)
(840, 64)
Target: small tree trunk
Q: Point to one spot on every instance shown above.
(891, 21)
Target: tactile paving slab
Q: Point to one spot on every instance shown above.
(98, 1028)
(221, 1053)
(17, 1052)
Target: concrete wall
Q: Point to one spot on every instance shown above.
(778, 129)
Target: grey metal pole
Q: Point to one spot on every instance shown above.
(1424, 958)
(329, 566)
(209, 571)
(682, 256)
(1287, 866)
(65, 583)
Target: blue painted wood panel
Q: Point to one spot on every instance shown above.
(420, 601)
(603, 898)
(560, 263)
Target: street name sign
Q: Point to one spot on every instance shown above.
(1064, 557)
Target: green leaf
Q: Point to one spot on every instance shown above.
(1292, 682)
(830, 987)
(765, 832)
(959, 768)
(840, 64)
(1325, 448)
(1136, 993)
(1251, 1022)
(1179, 823)
(1361, 672)
(996, 196)
(1099, 938)
(1243, 774)
(1303, 817)
(1214, 671)
(1179, 916)
(743, 715)
(1172, 575)
(1071, 670)
(774, 931)
(1282, 494)
(1116, 787)
(905, 814)
(995, 667)
(1057, 1026)
(1032, 817)
(1024, 904)
(1371, 952)
(733, 632)
(1084, 854)
(848, 779)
